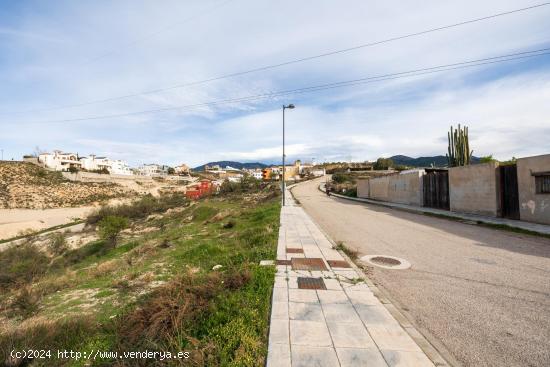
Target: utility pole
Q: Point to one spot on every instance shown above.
(290, 106)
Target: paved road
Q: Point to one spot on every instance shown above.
(483, 294)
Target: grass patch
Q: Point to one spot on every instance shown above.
(353, 254)
(157, 291)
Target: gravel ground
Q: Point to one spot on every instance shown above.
(483, 294)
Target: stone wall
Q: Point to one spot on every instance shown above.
(533, 207)
(98, 177)
(475, 189)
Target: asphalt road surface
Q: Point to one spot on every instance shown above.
(480, 295)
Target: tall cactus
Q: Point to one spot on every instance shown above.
(459, 153)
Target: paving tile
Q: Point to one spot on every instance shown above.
(350, 335)
(363, 298)
(355, 357)
(278, 355)
(280, 295)
(302, 295)
(349, 274)
(280, 282)
(398, 358)
(310, 333)
(293, 282)
(375, 315)
(391, 338)
(332, 296)
(305, 311)
(314, 356)
(331, 254)
(310, 283)
(340, 312)
(333, 284)
(278, 332)
(361, 286)
(279, 310)
(294, 256)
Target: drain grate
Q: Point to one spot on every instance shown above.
(308, 264)
(338, 264)
(311, 283)
(290, 250)
(283, 262)
(385, 261)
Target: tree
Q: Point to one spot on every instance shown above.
(458, 152)
(383, 163)
(487, 159)
(110, 227)
(171, 171)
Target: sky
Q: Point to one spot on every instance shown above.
(58, 58)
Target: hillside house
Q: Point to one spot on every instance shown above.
(60, 161)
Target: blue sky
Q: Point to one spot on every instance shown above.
(70, 52)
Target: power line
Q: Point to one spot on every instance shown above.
(290, 62)
(321, 87)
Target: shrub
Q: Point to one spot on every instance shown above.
(110, 227)
(138, 209)
(20, 265)
(339, 178)
(58, 244)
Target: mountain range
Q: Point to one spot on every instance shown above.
(437, 161)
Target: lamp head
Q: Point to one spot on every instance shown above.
(290, 106)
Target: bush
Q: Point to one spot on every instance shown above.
(58, 244)
(110, 227)
(138, 209)
(339, 178)
(20, 265)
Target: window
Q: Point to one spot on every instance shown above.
(542, 184)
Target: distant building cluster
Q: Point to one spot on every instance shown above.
(293, 172)
(71, 162)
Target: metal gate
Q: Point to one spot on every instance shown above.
(509, 198)
(436, 189)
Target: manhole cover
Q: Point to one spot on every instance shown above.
(311, 283)
(299, 263)
(338, 264)
(294, 250)
(387, 262)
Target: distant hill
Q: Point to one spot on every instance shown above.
(238, 165)
(438, 161)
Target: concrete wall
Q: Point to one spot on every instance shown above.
(406, 188)
(475, 189)
(97, 177)
(533, 207)
(403, 188)
(363, 188)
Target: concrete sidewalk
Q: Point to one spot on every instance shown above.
(323, 312)
(527, 226)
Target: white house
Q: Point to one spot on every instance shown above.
(257, 175)
(115, 167)
(154, 170)
(60, 161)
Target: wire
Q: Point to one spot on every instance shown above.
(316, 88)
(268, 67)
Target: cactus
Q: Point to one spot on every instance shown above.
(459, 153)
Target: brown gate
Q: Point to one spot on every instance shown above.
(509, 197)
(436, 189)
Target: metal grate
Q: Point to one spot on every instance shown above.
(308, 264)
(311, 283)
(290, 250)
(338, 264)
(283, 262)
(542, 184)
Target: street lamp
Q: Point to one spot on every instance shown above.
(290, 106)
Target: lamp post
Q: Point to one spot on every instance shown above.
(290, 106)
